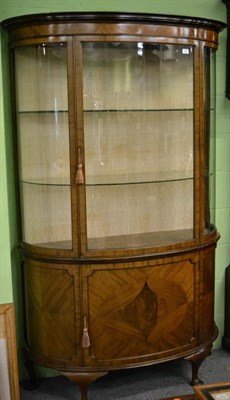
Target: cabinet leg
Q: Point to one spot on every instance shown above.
(83, 379)
(196, 361)
(31, 383)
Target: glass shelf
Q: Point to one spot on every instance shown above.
(132, 179)
(57, 181)
(125, 179)
(139, 110)
(41, 111)
(108, 110)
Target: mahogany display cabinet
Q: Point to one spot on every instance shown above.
(115, 141)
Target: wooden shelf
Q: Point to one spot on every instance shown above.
(148, 239)
(141, 240)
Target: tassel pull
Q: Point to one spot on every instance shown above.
(85, 341)
(79, 174)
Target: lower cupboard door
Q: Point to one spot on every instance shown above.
(137, 313)
(52, 312)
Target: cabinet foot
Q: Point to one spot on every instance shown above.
(196, 361)
(29, 384)
(83, 379)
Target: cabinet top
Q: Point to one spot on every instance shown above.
(111, 17)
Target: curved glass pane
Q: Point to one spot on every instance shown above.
(43, 141)
(209, 140)
(138, 127)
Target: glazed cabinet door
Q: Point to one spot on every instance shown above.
(43, 140)
(138, 122)
(208, 223)
(139, 310)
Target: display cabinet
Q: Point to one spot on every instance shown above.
(115, 142)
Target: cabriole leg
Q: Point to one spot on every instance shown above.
(196, 361)
(83, 379)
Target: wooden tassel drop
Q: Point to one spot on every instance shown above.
(85, 341)
(79, 174)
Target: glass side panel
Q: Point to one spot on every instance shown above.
(138, 127)
(43, 141)
(209, 140)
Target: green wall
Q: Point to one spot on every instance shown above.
(213, 9)
(206, 8)
(5, 248)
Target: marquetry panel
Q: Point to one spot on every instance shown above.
(50, 295)
(137, 311)
(207, 291)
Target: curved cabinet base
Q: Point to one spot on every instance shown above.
(83, 378)
(135, 313)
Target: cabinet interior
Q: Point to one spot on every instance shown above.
(138, 123)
